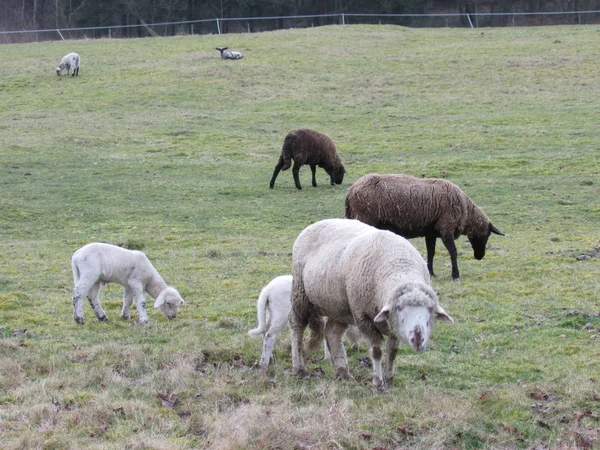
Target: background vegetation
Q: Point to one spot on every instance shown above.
(160, 145)
(52, 14)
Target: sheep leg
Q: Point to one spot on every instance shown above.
(334, 331)
(313, 169)
(296, 174)
(375, 353)
(297, 323)
(391, 352)
(373, 338)
(140, 303)
(276, 172)
(127, 301)
(430, 243)
(451, 247)
(268, 345)
(297, 349)
(81, 290)
(94, 299)
(354, 337)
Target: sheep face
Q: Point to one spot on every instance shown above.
(338, 174)
(479, 241)
(58, 71)
(169, 301)
(411, 318)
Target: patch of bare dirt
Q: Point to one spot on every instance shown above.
(589, 254)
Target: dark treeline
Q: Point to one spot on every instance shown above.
(47, 14)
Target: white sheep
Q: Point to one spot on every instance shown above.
(353, 273)
(273, 308)
(97, 264)
(226, 54)
(69, 62)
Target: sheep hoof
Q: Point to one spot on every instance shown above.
(300, 373)
(456, 279)
(343, 374)
(79, 320)
(103, 319)
(378, 385)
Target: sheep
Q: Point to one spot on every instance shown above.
(313, 148)
(353, 273)
(96, 264)
(69, 62)
(415, 207)
(225, 54)
(274, 301)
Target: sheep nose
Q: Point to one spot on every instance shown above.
(416, 340)
(172, 317)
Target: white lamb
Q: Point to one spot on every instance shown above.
(97, 264)
(226, 54)
(273, 308)
(69, 62)
(354, 274)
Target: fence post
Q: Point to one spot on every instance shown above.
(110, 33)
(218, 27)
(192, 29)
(470, 23)
(343, 19)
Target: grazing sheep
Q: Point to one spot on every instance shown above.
(312, 148)
(415, 207)
(225, 54)
(273, 308)
(97, 264)
(352, 273)
(69, 62)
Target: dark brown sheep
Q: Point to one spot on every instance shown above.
(312, 148)
(416, 207)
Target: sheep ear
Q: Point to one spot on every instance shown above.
(442, 315)
(159, 302)
(495, 230)
(383, 315)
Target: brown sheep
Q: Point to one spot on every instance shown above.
(415, 207)
(312, 148)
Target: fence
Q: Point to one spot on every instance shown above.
(258, 24)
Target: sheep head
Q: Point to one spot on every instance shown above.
(169, 301)
(411, 314)
(58, 69)
(479, 240)
(338, 174)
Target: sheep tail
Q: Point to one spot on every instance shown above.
(317, 333)
(286, 151)
(261, 312)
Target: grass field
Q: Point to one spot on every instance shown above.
(162, 146)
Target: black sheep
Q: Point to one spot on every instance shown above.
(312, 148)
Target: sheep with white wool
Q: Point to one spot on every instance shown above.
(415, 207)
(96, 264)
(226, 54)
(69, 62)
(354, 274)
(310, 147)
(273, 308)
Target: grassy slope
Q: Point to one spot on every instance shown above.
(161, 145)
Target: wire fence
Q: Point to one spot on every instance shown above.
(258, 24)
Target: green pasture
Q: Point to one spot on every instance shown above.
(160, 145)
